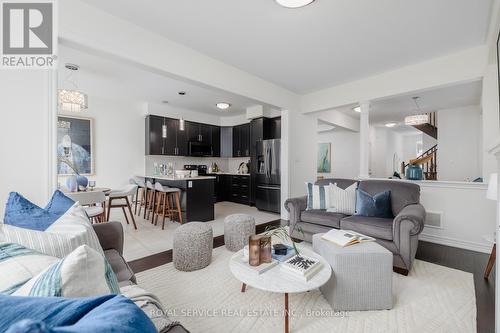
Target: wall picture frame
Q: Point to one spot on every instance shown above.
(75, 145)
(324, 162)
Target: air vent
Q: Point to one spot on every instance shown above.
(433, 220)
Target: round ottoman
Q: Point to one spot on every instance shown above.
(193, 243)
(237, 229)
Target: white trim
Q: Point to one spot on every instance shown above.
(441, 184)
(462, 244)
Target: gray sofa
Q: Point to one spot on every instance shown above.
(399, 235)
(110, 236)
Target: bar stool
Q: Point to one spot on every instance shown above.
(140, 194)
(120, 199)
(165, 205)
(149, 203)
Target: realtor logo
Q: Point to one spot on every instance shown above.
(28, 34)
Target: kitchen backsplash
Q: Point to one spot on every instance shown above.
(226, 164)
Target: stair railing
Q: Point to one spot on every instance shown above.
(429, 168)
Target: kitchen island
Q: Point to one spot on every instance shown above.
(197, 195)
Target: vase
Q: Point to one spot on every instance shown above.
(71, 184)
(414, 172)
(254, 250)
(265, 250)
(82, 182)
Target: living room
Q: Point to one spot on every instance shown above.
(134, 61)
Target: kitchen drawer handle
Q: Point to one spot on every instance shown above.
(269, 188)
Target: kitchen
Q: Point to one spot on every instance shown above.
(210, 163)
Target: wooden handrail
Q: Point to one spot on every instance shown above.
(428, 160)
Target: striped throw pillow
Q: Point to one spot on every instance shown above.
(18, 265)
(70, 231)
(83, 273)
(318, 196)
(342, 201)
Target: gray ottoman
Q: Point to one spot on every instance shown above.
(361, 277)
(237, 229)
(193, 243)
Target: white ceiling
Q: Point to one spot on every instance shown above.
(320, 45)
(108, 78)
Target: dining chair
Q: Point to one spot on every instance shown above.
(120, 199)
(94, 202)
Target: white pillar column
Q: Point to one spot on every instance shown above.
(364, 140)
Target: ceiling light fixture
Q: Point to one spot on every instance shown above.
(418, 119)
(390, 125)
(72, 99)
(357, 109)
(223, 105)
(182, 93)
(181, 124)
(294, 3)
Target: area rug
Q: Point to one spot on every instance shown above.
(431, 298)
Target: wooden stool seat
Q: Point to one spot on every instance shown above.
(167, 204)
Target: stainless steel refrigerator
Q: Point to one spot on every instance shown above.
(268, 182)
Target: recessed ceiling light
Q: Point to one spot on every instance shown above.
(294, 3)
(390, 124)
(223, 105)
(357, 109)
(164, 102)
(182, 93)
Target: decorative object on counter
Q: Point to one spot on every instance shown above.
(243, 168)
(214, 168)
(82, 182)
(237, 229)
(290, 252)
(71, 184)
(194, 173)
(280, 249)
(414, 172)
(92, 184)
(193, 243)
(182, 173)
(254, 250)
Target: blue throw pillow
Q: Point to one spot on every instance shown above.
(110, 313)
(22, 213)
(378, 205)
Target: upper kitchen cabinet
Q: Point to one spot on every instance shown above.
(226, 142)
(175, 142)
(241, 140)
(216, 141)
(197, 132)
(154, 135)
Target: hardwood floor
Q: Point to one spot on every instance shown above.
(465, 260)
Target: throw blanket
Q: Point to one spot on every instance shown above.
(109, 313)
(151, 305)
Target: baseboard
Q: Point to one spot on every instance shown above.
(462, 244)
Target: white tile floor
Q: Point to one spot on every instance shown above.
(149, 239)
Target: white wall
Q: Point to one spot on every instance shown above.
(409, 146)
(345, 153)
(27, 121)
(459, 156)
(466, 214)
(490, 107)
(118, 140)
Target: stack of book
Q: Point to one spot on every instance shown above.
(242, 260)
(302, 267)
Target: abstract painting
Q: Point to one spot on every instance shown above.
(74, 146)
(324, 158)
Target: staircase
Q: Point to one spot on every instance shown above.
(427, 160)
(429, 128)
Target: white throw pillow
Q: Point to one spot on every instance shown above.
(342, 201)
(66, 234)
(18, 265)
(83, 273)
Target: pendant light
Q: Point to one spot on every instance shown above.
(181, 124)
(417, 119)
(72, 99)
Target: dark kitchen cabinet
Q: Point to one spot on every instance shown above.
(197, 132)
(241, 140)
(154, 138)
(175, 142)
(240, 189)
(216, 141)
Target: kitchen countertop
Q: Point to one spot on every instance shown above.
(161, 177)
(229, 173)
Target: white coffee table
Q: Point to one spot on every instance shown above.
(274, 280)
